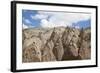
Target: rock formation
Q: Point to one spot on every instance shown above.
(56, 44)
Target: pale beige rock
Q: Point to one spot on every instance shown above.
(56, 44)
(31, 54)
(58, 50)
(47, 54)
(85, 50)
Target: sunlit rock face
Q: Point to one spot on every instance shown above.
(56, 44)
(85, 49)
(58, 50)
(31, 50)
(31, 54)
(70, 39)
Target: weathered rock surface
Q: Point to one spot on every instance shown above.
(56, 44)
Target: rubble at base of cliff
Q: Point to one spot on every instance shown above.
(55, 44)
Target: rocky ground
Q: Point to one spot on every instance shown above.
(56, 44)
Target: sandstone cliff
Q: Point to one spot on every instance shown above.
(56, 44)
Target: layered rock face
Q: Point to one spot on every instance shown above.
(56, 44)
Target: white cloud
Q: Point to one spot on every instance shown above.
(59, 19)
(25, 26)
(46, 23)
(27, 21)
(77, 27)
(39, 16)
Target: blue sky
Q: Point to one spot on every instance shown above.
(26, 15)
(83, 23)
(33, 18)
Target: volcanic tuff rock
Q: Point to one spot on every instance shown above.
(56, 44)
